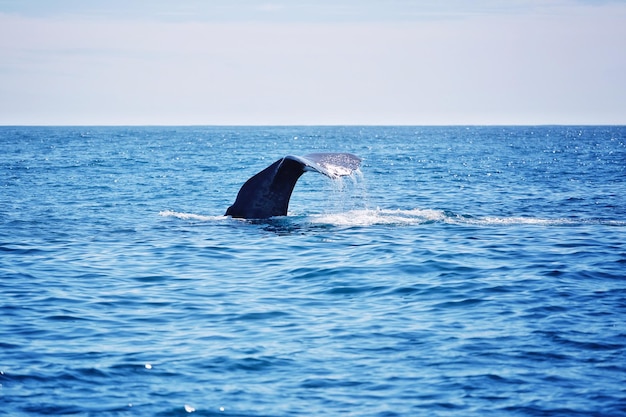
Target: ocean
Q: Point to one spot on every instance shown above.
(464, 271)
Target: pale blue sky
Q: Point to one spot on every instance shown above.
(312, 62)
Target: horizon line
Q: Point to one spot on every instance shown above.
(323, 125)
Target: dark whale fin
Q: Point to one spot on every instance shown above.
(267, 193)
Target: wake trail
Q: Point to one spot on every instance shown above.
(399, 217)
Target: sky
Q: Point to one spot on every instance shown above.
(312, 62)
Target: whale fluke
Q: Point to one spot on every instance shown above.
(267, 193)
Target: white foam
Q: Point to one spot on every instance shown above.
(369, 217)
(421, 216)
(542, 222)
(517, 220)
(190, 216)
(379, 217)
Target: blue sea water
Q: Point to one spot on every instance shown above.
(464, 271)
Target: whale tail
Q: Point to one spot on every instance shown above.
(267, 193)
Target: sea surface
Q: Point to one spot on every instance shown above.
(464, 271)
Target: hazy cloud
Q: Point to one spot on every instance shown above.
(522, 62)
